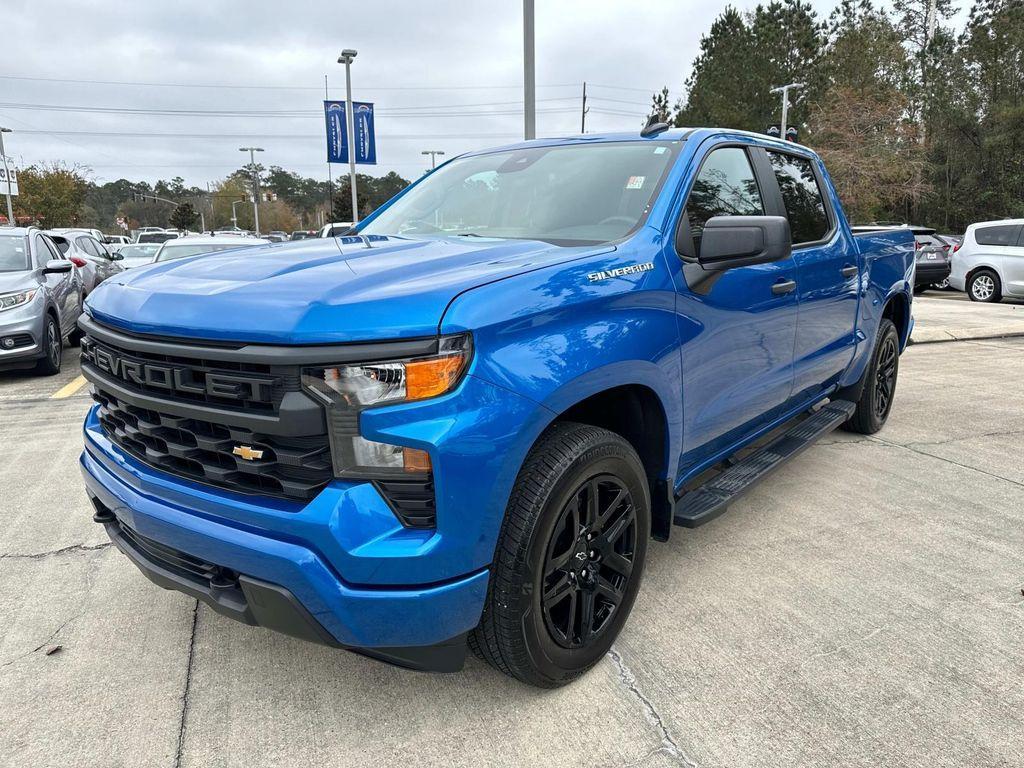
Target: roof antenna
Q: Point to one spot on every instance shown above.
(654, 126)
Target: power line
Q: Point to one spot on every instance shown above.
(242, 86)
(256, 136)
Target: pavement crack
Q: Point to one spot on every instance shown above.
(73, 549)
(910, 447)
(188, 687)
(43, 644)
(668, 744)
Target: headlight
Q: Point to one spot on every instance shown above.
(12, 300)
(351, 388)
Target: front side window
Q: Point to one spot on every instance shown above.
(725, 186)
(567, 195)
(805, 205)
(1004, 234)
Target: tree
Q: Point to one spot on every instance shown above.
(51, 194)
(373, 192)
(184, 216)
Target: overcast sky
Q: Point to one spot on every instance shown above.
(443, 75)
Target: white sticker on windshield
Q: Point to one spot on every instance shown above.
(660, 150)
(635, 182)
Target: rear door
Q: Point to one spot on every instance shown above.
(1002, 246)
(737, 326)
(828, 274)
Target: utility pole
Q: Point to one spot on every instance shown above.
(350, 128)
(255, 184)
(784, 90)
(583, 110)
(330, 179)
(7, 175)
(433, 156)
(529, 79)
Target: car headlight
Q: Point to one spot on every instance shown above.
(348, 389)
(12, 300)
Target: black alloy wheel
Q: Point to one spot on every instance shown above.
(885, 377)
(589, 560)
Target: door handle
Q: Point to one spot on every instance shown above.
(783, 286)
(849, 270)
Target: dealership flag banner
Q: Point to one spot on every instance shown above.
(3, 178)
(337, 135)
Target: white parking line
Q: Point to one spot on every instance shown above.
(69, 389)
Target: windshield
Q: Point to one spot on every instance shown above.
(13, 254)
(567, 195)
(138, 254)
(171, 252)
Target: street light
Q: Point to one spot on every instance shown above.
(255, 185)
(350, 128)
(7, 174)
(784, 90)
(433, 156)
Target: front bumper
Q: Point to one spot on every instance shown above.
(25, 326)
(282, 564)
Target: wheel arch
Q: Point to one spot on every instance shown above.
(897, 309)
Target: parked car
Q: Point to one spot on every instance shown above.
(276, 236)
(138, 254)
(465, 426)
(336, 229)
(952, 242)
(195, 245)
(989, 264)
(155, 237)
(301, 234)
(79, 244)
(931, 260)
(40, 301)
(116, 240)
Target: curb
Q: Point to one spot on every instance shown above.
(935, 336)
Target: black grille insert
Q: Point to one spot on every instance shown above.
(412, 501)
(290, 467)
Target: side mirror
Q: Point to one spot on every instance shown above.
(739, 241)
(57, 267)
(115, 256)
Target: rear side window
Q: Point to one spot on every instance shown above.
(725, 186)
(1003, 234)
(805, 205)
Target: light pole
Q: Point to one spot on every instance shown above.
(350, 128)
(529, 83)
(7, 175)
(255, 185)
(234, 213)
(433, 156)
(784, 90)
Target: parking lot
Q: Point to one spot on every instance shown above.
(862, 607)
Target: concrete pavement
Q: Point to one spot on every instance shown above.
(940, 316)
(862, 607)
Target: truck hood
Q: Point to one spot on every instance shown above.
(318, 291)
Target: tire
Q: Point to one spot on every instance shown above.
(879, 389)
(942, 285)
(49, 364)
(547, 573)
(985, 286)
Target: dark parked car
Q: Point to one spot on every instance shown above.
(931, 259)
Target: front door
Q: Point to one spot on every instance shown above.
(737, 326)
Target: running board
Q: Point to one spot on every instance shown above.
(706, 502)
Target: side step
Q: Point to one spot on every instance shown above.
(710, 500)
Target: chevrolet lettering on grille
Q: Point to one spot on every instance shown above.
(177, 378)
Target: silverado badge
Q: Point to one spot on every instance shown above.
(632, 269)
(247, 452)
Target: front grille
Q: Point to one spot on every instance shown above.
(218, 383)
(290, 467)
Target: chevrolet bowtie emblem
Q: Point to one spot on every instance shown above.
(247, 452)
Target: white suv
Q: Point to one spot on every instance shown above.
(989, 264)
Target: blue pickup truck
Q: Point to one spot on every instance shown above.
(459, 426)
